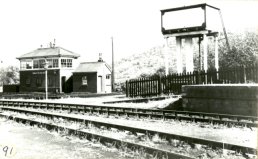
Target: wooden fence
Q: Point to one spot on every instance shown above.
(157, 85)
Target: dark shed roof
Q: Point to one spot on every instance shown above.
(49, 52)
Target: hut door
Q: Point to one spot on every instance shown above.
(99, 85)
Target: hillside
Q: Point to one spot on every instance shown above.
(146, 63)
(149, 62)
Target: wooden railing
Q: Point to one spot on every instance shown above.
(157, 85)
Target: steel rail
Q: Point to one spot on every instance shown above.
(140, 100)
(164, 135)
(164, 114)
(103, 139)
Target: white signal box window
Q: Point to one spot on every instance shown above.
(26, 64)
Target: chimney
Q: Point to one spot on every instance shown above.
(50, 44)
(100, 57)
(54, 44)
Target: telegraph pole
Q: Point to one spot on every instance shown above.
(113, 67)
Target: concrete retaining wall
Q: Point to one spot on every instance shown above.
(239, 99)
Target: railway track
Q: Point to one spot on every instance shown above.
(105, 140)
(135, 130)
(249, 121)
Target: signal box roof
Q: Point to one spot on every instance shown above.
(49, 52)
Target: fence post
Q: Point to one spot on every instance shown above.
(126, 88)
(140, 87)
(134, 87)
(217, 75)
(159, 85)
(197, 80)
(206, 76)
(131, 88)
(148, 86)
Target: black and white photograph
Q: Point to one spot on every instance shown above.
(128, 79)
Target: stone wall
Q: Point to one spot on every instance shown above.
(239, 99)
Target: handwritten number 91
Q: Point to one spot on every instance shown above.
(6, 150)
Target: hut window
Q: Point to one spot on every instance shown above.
(107, 76)
(84, 80)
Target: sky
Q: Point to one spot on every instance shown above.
(86, 26)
